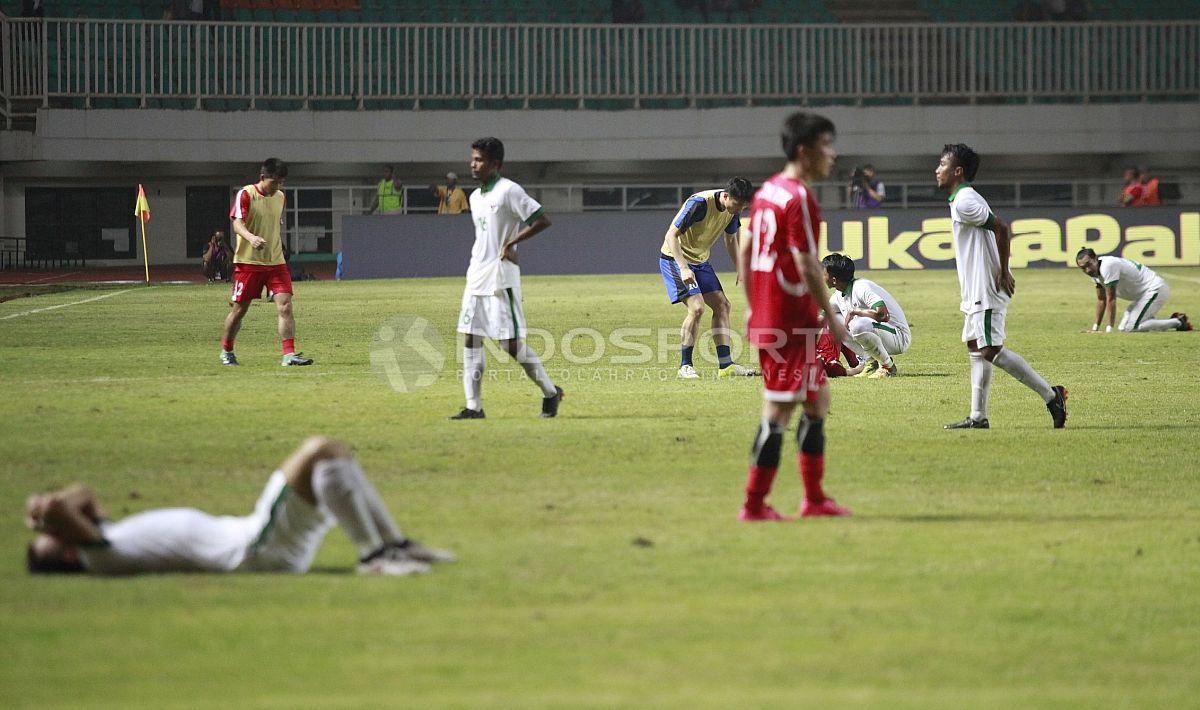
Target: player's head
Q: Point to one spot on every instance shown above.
(738, 194)
(272, 175)
(487, 156)
(48, 555)
(808, 141)
(839, 270)
(958, 163)
(1087, 260)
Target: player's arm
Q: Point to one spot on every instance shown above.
(743, 263)
(1110, 298)
(72, 515)
(814, 277)
(536, 224)
(731, 244)
(685, 271)
(1101, 303)
(239, 228)
(1004, 279)
(878, 312)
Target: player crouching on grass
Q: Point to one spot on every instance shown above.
(1145, 290)
(258, 262)
(691, 280)
(876, 326)
(320, 484)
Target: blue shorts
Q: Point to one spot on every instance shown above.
(706, 279)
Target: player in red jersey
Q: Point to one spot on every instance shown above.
(785, 286)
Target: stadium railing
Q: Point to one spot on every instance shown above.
(240, 65)
(21, 253)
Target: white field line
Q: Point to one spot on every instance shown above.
(65, 305)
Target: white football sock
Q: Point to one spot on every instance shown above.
(874, 347)
(336, 487)
(1016, 366)
(1163, 324)
(388, 529)
(474, 360)
(981, 383)
(533, 368)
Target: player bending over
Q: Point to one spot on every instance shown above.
(1145, 290)
(319, 485)
(873, 319)
(691, 279)
(981, 250)
(785, 286)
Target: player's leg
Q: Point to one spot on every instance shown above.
(981, 376)
(863, 332)
(247, 284)
(688, 331)
(810, 439)
(471, 323)
(279, 290)
(765, 452)
(1147, 322)
(993, 350)
(511, 329)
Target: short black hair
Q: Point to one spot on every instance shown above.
(1135, 171)
(37, 564)
(803, 129)
(868, 166)
(839, 266)
(491, 149)
(964, 157)
(739, 188)
(273, 168)
(1086, 251)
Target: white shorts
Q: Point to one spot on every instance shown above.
(1144, 309)
(986, 328)
(499, 317)
(896, 341)
(290, 530)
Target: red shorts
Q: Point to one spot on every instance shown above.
(791, 372)
(249, 280)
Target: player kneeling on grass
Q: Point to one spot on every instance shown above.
(258, 261)
(1145, 290)
(785, 288)
(690, 278)
(874, 321)
(319, 485)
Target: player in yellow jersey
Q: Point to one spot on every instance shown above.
(257, 215)
(683, 261)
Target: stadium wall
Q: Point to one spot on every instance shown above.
(617, 243)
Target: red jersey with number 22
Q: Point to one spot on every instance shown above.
(784, 219)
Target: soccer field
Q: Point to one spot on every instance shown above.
(601, 563)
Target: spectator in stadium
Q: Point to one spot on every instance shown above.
(1145, 290)
(389, 194)
(1149, 184)
(218, 259)
(319, 485)
(691, 280)
(865, 191)
(187, 9)
(451, 198)
(1131, 193)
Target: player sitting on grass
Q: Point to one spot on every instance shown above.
(874, 321)
(319, 485)
(691, 280)
(1145, 290)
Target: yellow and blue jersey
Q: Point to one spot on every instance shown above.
(701, 222)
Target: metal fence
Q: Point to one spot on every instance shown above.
(302, 65)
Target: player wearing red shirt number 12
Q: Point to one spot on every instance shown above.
(785, 287)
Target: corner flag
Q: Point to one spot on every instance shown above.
(141, 210)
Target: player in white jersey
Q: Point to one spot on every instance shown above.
(1145, 290)
(504, 215)
(981, 250)
(875, 324)
(320, 484)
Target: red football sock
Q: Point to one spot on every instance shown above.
(289, 346)
(812, 470)
(758, 485)
(227, 344)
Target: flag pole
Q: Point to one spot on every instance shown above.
(141, 210)
(145, 256)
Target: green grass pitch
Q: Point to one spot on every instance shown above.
(601, 563)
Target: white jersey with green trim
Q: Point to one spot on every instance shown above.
(171, 540)
(498, 209)
(1131, 279)
(976, 253)
(864, 293)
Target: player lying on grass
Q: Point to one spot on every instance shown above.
(830, 352)
(1145, 290)
(981, 251)
(691, 280)
(319, 485)
(874, 322)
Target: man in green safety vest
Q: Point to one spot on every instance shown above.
(389, 195)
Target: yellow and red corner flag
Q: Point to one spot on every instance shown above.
(142, 211)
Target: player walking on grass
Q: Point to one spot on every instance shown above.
(257, 215)
(981, 248)
(785, 286)
(504, 215)
(691, 280)
(320, 484)
(1145, 290)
